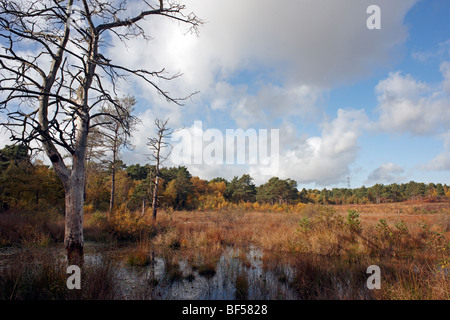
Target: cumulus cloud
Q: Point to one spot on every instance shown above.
(291, 47)
(386, 173)
(443, 51)
(311, 42)
(324, 159)
(442, 161)
(445, 70)
(408, 105)
(285, 54)
(270, 102)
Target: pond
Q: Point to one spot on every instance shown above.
(235, 275)
(226, 274)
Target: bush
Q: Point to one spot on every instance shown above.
(40, 229)
(305, 224)
(128, 226)
(353, 222)
(138, 258)
(383, 229)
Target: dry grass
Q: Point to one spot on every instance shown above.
(30, 229)
(283, 232)
(412, 246)
(327, 250)
(38, 275)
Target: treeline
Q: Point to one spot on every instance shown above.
(28, 186)
(31, 185)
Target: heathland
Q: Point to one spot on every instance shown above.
(222, 239)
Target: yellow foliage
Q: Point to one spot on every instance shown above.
(89, 208)
(128, 225)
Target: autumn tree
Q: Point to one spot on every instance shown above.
(27, 185)
(183, 187)
(55, 75)
(138, 172)
(241, 189)
(440, 190)
(14, 164)
(277, 190)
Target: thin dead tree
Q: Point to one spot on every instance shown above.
(115, 135)
(54, 76)
(157, 146)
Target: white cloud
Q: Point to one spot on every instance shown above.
(285, 56)
(445, 70)
(269, 103)
(322, 160)
(4, 136)
(407, 105)
(443, 51)
(291, 46)
(311, 42)
(326, 159)
(386, 173)
(442, 161)
(296, 49)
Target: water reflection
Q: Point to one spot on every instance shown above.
(236, 275)
(221, 273)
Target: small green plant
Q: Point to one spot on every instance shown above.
(402, 229)
(353, 222)
(441, 247)
(304, 225)
(383, 229)
(328, 218)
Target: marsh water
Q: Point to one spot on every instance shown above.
(231, 273)
(235, 275)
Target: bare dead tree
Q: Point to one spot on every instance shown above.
(157, 146)
(54, 76)
(116, 134)
(94, 153)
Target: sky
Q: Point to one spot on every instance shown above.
(352, 106)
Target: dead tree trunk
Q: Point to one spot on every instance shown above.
(113, 171)
(156, 145)
(73, 237)
(155, 196)
(53, 92)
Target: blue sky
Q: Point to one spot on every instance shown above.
(425, 49)
(369, 105)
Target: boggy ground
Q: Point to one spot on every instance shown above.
(319, 252)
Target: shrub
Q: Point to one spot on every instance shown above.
(138, 258)
(327, 218)
(353, 222)
(383, 229)
(304, 224)
(126, 225)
